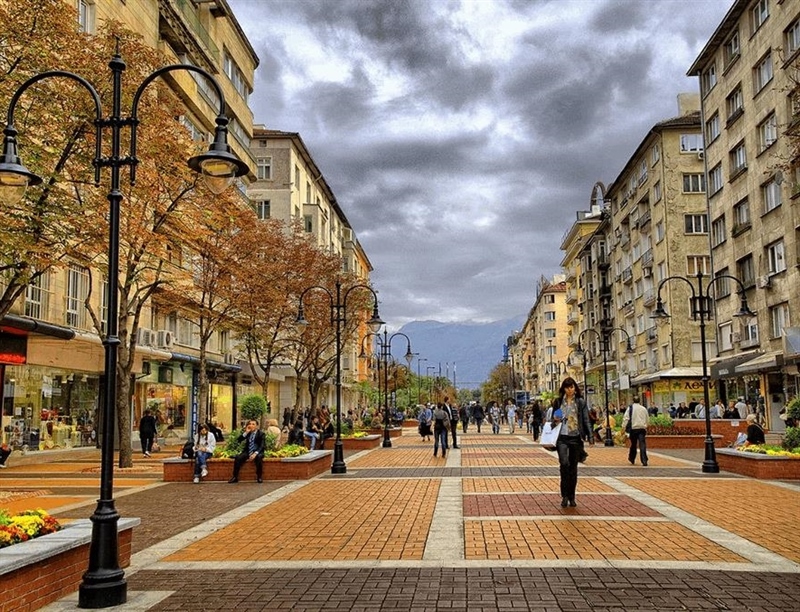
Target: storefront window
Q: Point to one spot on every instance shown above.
(46, 408)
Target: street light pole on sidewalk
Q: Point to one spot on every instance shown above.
(701, 307)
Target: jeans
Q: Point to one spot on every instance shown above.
(200, 459)
(464, 423)
(440, 436)
(512, 423)
(496, 426)
(638, 437)
(478, 423)
(314, 437)
(568, 449)
(147, 442)
(535, 426)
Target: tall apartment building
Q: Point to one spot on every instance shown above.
(748, 74)
(657, 229)
(291, 187)
(541, 347)
(51, 399)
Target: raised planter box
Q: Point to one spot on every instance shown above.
(680, 441)
(726, 429)
(394, 432)
(43, 570)
(759, 466)
(358, 444)
(288, 468)
(411, 423)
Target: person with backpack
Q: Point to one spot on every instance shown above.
(441, 427)
(635, 424)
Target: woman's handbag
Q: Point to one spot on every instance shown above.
(550, 435)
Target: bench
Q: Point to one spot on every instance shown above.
(306, 466)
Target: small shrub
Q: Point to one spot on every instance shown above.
(791, 439)
(793, 409)
(289, 450)
(660, 420)
(252, 406)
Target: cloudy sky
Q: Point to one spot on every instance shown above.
(462, 136)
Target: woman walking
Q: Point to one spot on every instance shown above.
(570, 410)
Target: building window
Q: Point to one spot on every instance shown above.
(550, 299)
(771, 195)
(550, 333)
(750, 332)
(726, 336)
(691, 143)
(696, 224)
(694, 183)
(550, 316)
(741, 216)
(792, 38)
(718, 231)
(746, 271)
(722, 285)
(758, 15)
(762, 73)
(37, 297)
(264, 168)
(698, 263)
(776, 257)
(712, 128)
(236, 76)
(731, 50)
(715, 179)
(86, 16)
(195, 132)
(659, 231)
(655, 154)
(708, 79)
(738, 159)
(657, 192)
(263, 209)
(779, 319)
(767, 133)
(77, 289)
(734, 103)
(308, 223)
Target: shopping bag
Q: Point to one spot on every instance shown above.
(549, 435)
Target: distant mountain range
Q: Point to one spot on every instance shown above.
(473, 349)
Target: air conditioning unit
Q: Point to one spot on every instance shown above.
(144, 337)
(165, 338)
(762, 282)
(700, 155)
(647, 272)
(229, 358)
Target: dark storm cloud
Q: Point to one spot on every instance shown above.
(461, 137)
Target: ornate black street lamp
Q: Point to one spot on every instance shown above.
(604, 336)
(338, 305)
(434, 390)
(701, 306)
(385, 345)
(419, 380)
(104, 585)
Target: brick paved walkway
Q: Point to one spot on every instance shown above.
(480, 531)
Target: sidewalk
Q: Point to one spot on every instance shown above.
(481, 530)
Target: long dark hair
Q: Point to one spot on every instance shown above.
(569, 382)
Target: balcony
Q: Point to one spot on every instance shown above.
(572, 317)
(649, 297)
(647, 258)
(603, 261)
(652, 334)
(570, 273)
(739, 228)
(571, 296)
(624, 239)
(628, 308)
(645, 218)
(627, 275)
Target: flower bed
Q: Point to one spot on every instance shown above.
(40, 571)
(684, 440)
(221, 469)
(25, 526)
(394, 432)
(756, 465)
(365, 442)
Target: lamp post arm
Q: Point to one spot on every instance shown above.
(321, 288)
(221, 121)
(11, 132)
(681, 278)
(711, 282)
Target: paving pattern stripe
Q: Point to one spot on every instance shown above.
(154, 554)
(753, 552)
(446, 535)
(570, 517)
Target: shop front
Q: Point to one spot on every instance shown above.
(165, 390)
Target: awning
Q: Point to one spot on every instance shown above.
(210, 363)
(726, 368)
(791, 342)
(766, 361)
(679, 372)
(36, 326)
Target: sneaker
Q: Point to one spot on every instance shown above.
(196, 480)
(572, 502)
(204, 473)
(233, 480)
(3, 466)
(259, 480)
(146, 454)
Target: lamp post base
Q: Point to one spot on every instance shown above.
(608, 442)
(387, 439)
(338, 466)
(710, 465)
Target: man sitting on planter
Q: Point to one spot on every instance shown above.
(253, 450)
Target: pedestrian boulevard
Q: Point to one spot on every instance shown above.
(479, 530)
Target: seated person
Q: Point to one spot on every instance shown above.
(254, 446)
(5, 452)
(215, 431)
(296, 434)
(755, 433)
(313, 432)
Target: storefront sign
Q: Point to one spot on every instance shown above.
(679, 384)
(13, 349)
